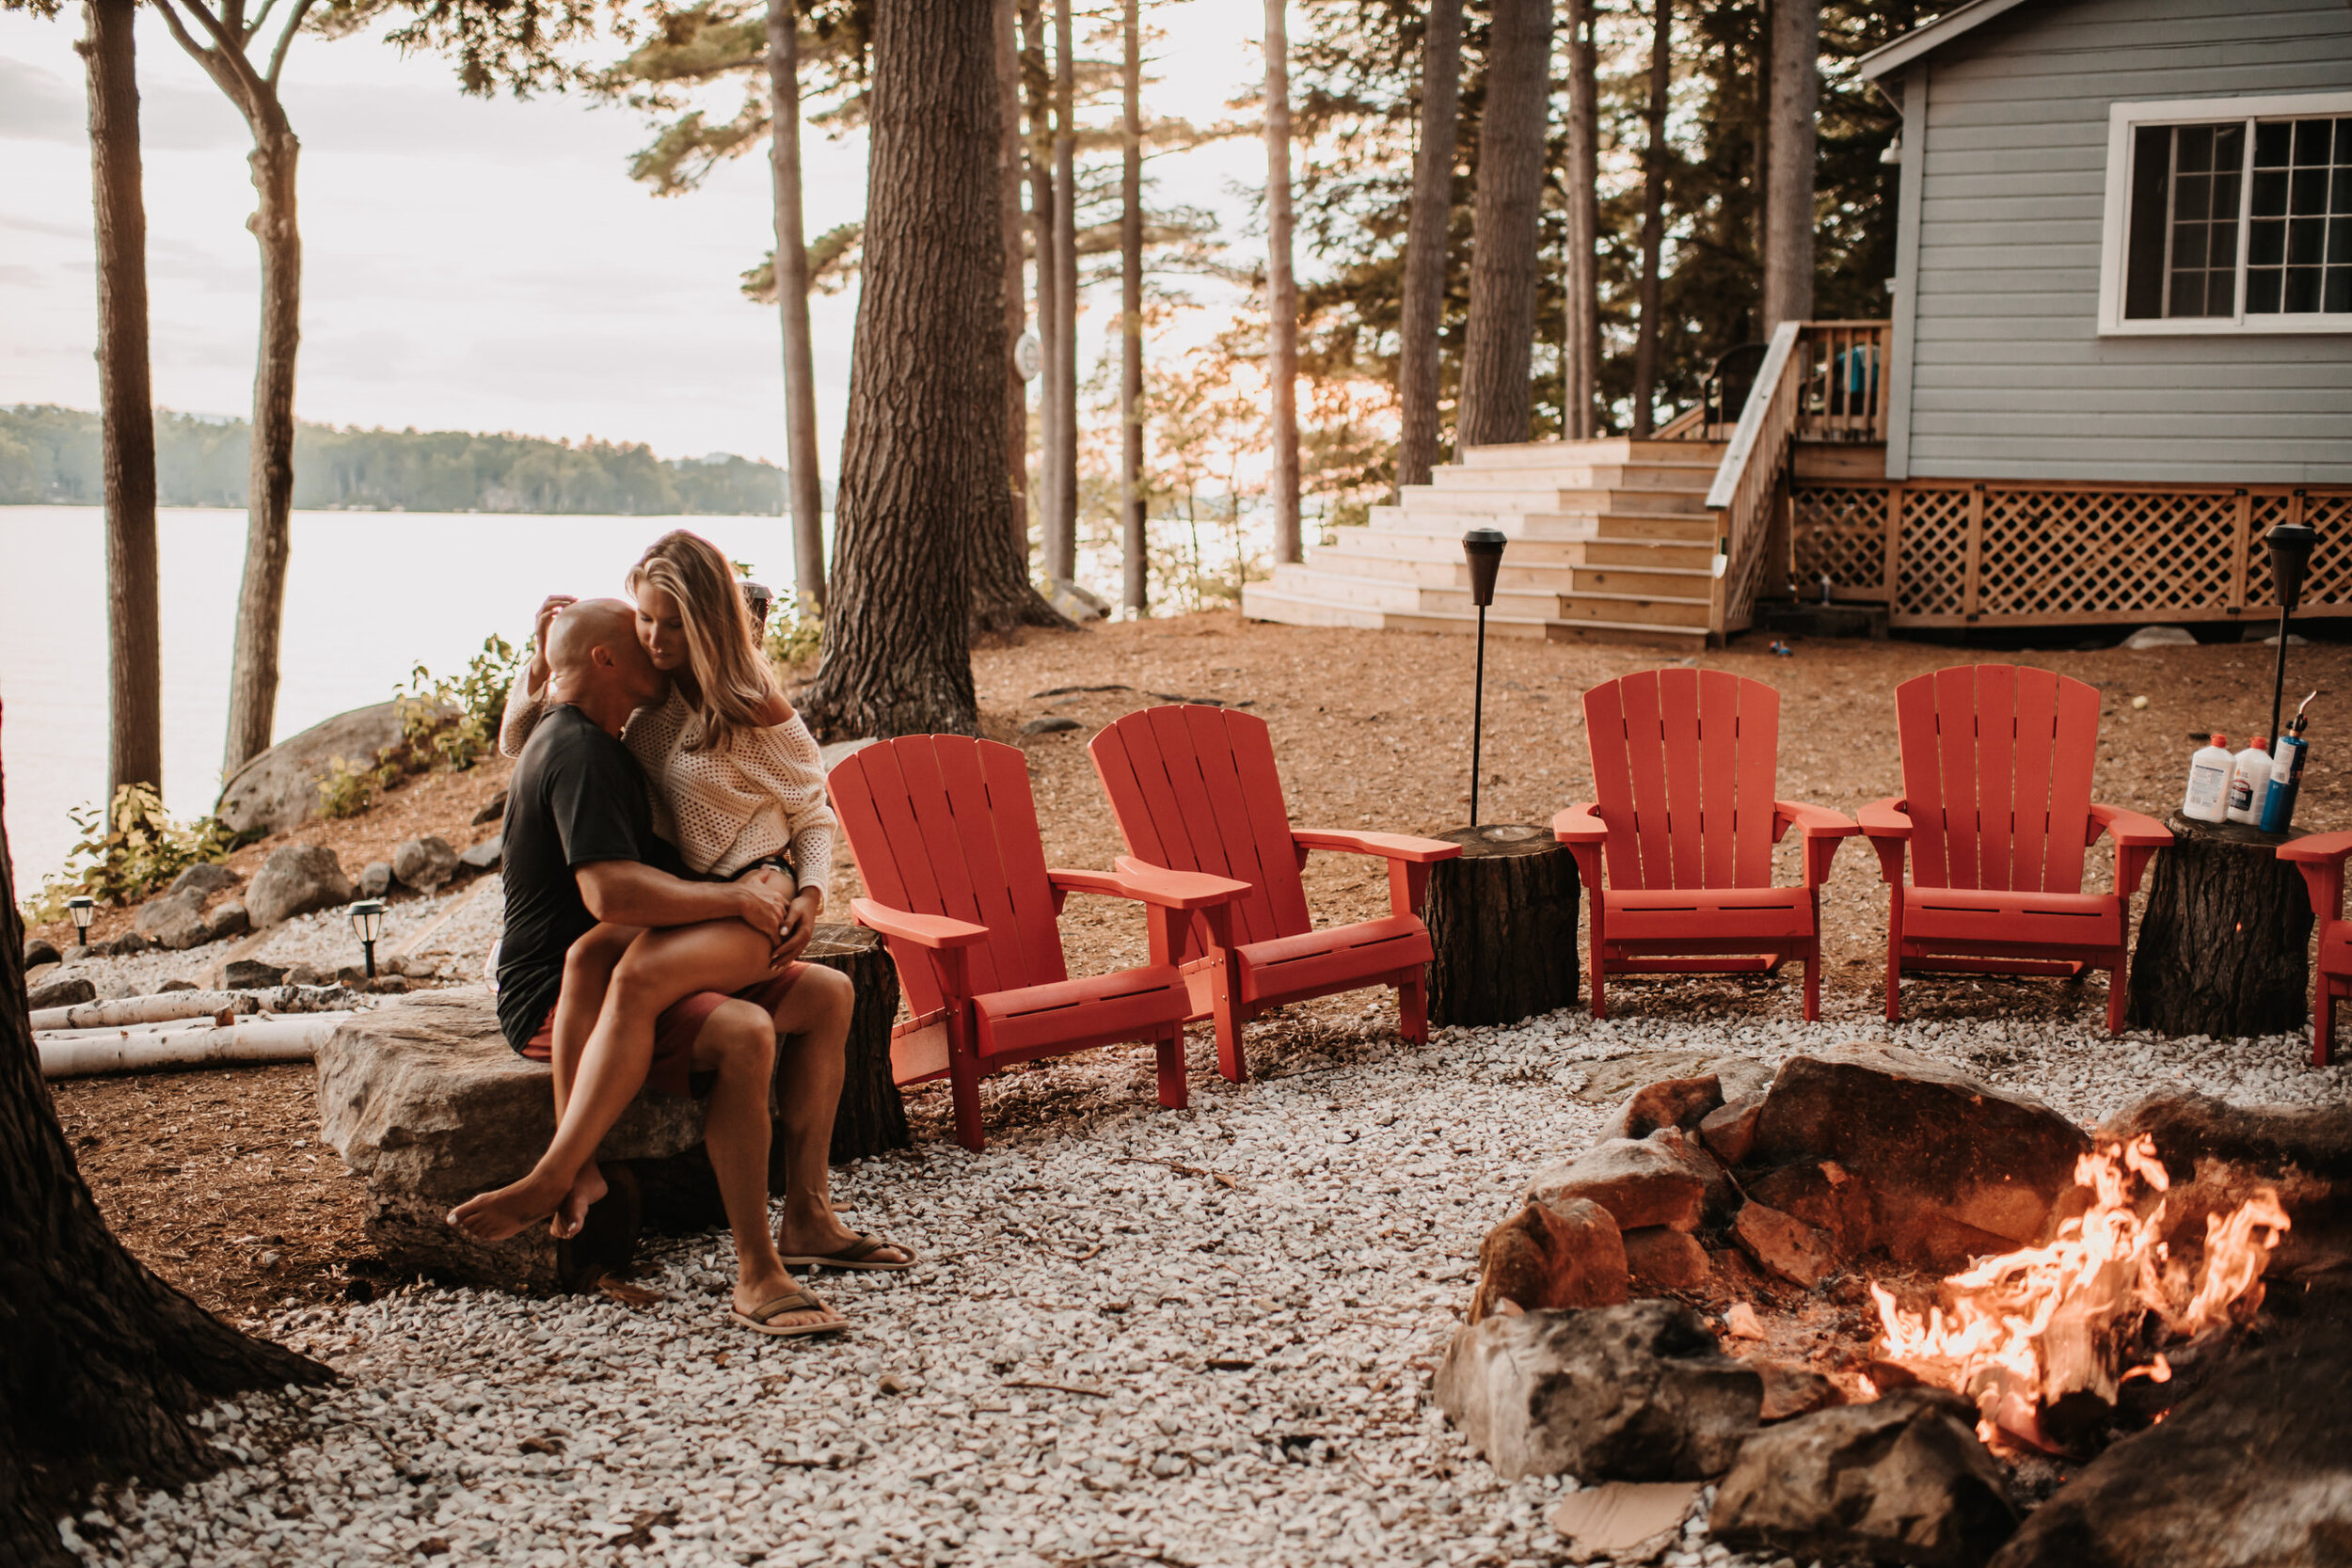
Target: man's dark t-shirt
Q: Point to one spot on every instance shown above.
(577, 795)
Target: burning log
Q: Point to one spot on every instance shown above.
(2042, 1338)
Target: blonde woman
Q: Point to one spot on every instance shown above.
(738, 788)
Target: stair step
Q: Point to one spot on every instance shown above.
(1634, 610)
(1643, 581)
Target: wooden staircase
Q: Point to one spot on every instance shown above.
(1612, 540)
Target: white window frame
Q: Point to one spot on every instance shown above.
(2122, 120)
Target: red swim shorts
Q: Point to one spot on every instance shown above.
(675, 1032)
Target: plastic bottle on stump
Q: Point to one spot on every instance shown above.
(2286, 775)
(2250, 781)
(2208, 796)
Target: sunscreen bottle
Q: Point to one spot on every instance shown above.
(2249, 782)
(2207, 800)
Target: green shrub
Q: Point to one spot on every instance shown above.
(127, 852)
(795, 632)
(454, 723)
(346, 789)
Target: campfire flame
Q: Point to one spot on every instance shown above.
(2026, 1329)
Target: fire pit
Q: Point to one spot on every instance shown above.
(1951, 1302)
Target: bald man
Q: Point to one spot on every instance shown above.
(580, 849)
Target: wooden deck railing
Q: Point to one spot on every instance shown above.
(1843, 368)
(1748, 482)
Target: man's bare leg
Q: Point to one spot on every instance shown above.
(738, 1043)
(811, 1025)
(660, 968)
(587, 974)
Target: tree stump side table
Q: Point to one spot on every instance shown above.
(1502, 920)
(871, 1119)
(2223, 947)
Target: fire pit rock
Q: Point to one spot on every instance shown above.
(1550, 1256)
(2217, 1154)
(1953, 1168)
(1664, 1179)
(2250, 1471)
(1901, 1480)
(1636, 1392)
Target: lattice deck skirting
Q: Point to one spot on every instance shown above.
(1955, 553)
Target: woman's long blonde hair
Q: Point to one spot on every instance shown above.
(735, 687)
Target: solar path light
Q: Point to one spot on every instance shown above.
(366, 923)
(84, 910)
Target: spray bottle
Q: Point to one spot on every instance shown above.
(2286, 774)
(2208, 796)
(2249, 782)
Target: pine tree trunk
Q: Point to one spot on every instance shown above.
(1796, 82)
(803, 480)
(1138, 595)
(1016, 291)
(922, 494)
(1497, 394)
(1061, 523)
(1761, 179)
(135, 751)
(1653, 220)
(269, 480)
(100, 1363)
(1428, 237)
(1281, 285)
(1037, 86)
(1584, 196)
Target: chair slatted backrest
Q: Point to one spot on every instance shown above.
(1195, 789)
(944, 824)
(1998, 760)
(1684, 767)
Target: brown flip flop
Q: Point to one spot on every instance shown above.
(857, 1254)
(762, 1319)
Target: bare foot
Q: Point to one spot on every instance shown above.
(755, 1289)
(495, 1216)
(572, 1213)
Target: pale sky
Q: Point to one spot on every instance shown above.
(467, 263)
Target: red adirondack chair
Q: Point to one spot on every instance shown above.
(1195, 789)
(2320, 859)
(1685, 762)
(1996, 811)
(945, 831)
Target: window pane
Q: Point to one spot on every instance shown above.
(2340, 242)
(2222, 251)
(2338, 298)
(2308, 197)
(2268, 245)
(2229, 147)
(2188, 246)
(2339, 200)
(2310, 141)
(2302, 290)
(2270, 194)
(2261, 292)
(2271, 140)
(2307, 240)
(2221, 291)
(2144, 254)
(2191, 194)
(2195, 150)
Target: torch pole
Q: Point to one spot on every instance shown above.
(1478, 711)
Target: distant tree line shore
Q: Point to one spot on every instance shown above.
(50, 457)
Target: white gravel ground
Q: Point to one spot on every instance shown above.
(1041, 1389)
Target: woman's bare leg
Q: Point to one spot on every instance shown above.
(587, 972)
(660, 968)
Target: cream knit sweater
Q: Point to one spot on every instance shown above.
(724, 810)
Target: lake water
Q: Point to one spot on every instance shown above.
(368, 595)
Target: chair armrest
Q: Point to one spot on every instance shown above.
(1887, 825)
(1812, 821)
(1580, 825)
(1151, 884)
(2320, 858)
(2137, 837)
(1394, 846)
(2135, 828)
(2318, 848)
(1822, 830)
(925, 930)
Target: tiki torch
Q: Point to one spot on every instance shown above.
(2290, 555)
(1483, 548)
